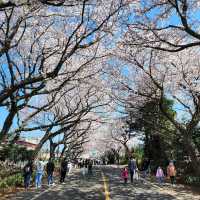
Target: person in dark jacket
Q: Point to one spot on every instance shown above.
(145, 167)
(132, 167)
(90, 167)
(50, 169)
(63, 170)
(27, 172)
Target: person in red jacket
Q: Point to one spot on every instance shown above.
(125, 175)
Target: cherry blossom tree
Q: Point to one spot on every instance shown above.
(167, 25)
(171, 75)
(72, 140)
(39, 46)
(72, 109)
(57, 3)
(119, 133)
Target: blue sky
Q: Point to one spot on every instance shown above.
(172, 20)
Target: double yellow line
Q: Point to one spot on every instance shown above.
(105, 183)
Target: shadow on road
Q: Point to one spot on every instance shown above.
(143, 190)
(75, 188)
(91, 187)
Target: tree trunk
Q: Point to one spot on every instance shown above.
(193, 153)
(52, 149)
(127, 150)
(63, 151)
(7, 124)
(39, 146)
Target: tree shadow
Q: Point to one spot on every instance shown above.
(76, 187)
(136, 190)
(91, 187)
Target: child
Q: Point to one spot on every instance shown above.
(125, 174)
(160, 175)
(136, 174)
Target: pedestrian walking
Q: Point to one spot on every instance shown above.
(160, 175)
(125, 174)
(83, 171)
(136, 174)
(132, 167)
(145, 167)
(39, 173)
(90, 167)
(63, 170)
(70, 166)
(50, 169)
(27, 172)
(171, 172)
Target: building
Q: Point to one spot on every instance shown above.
(28, 143)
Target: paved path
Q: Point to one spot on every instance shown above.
(144, 190)
(106, 184)
(76, 187)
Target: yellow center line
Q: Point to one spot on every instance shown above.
(105, 183)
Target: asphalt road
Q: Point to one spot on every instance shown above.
(144, 189)
(105, 184)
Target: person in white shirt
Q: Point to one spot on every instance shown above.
(70, 166)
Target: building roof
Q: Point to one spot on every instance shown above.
(26, 144)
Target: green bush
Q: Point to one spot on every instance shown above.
(12, 181)
(15, 153)
(19, 179)
(192, 180)
(3, 184)
(123, 160)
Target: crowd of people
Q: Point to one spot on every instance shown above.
(86, 166)
(41, 168)
(133, 170)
